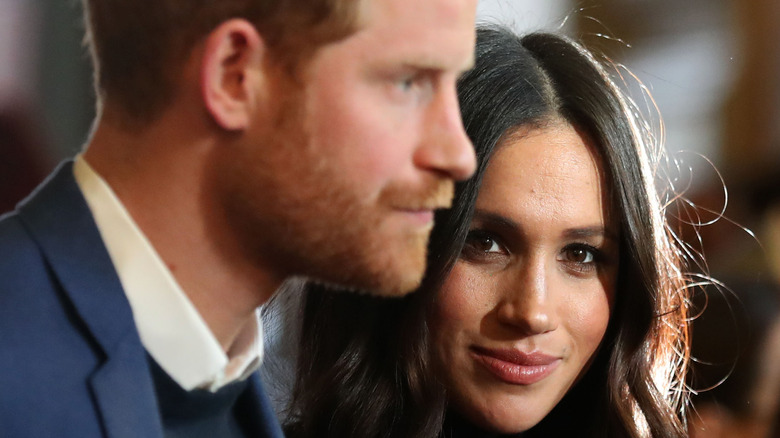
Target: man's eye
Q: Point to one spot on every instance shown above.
(407, 83)
(418, 86)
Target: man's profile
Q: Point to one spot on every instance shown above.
(237, 143)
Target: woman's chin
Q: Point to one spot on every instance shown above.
(507, 423)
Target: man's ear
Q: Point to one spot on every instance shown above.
(232, 73)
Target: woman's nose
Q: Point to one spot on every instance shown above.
(528, 303)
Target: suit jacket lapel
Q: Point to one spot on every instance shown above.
(58, 218)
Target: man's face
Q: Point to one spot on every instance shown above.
(342, 187)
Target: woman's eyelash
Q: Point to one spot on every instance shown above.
(580, 258)
(591, 253)
(583, 258)
(480, 242)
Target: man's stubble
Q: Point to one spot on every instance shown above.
(299, 213)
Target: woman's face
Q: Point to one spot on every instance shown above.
(524, 309)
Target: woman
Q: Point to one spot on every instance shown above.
(554, 303)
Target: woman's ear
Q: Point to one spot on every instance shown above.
(232, 74)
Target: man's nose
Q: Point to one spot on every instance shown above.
(446, 148)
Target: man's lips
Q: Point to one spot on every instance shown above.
(422, 214)
(419, 216)
(514, 366)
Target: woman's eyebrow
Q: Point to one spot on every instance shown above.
(495, 219)
(487, 217)
(592, 231)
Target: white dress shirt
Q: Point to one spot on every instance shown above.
(170, 327)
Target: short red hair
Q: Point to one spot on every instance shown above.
(138, 47)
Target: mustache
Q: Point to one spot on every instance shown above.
(433, 194)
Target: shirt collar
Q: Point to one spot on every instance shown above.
(169, 325)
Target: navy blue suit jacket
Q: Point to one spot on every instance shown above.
(71, 361)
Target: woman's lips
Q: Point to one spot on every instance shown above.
(514, 366)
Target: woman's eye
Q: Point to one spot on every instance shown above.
(480, 244)
(580, 255)
(581, 258)
(486, 244)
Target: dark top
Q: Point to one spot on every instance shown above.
(197, 413)
(456, 426)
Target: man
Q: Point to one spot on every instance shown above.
(238, 143)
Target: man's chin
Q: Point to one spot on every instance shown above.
(391, 277)
(398, 289)
(395, 287)
(402, 272)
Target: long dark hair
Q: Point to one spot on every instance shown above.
(363, 368)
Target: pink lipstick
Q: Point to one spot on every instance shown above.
(514, 366)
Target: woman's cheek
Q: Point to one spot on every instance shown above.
(591, 319)
(463, 299)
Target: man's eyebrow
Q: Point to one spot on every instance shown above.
(433, 64)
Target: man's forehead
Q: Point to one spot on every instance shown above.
(435, 34)
(439, 14)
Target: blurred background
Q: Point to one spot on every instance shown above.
(712, 68)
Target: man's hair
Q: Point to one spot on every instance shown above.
(139, 47)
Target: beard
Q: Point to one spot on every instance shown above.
(355, 246)
(295, 211)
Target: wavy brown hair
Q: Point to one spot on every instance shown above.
(364, 367)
